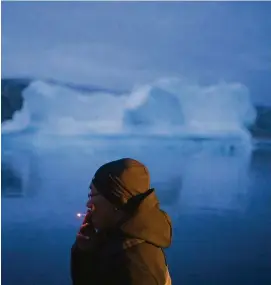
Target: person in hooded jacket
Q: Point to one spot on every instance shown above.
(124, 232)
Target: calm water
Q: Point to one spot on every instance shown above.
(219, 199)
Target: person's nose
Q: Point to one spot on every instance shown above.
(89, 203)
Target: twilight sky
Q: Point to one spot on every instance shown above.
(119, 45)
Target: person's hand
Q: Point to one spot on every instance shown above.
(85, 233)
(87, 218)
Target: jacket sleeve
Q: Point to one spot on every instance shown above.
(131, 272)
(81, 266)
(132, 276)
(136, 275)
(82, 261)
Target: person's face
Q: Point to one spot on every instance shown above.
(103, 212)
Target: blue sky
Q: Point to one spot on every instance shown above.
(119, 45)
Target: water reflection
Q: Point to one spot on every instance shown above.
(12, 181)
(260, 158)
(169, 191)
(219, 202)
(19, 170)
(215, 183)
(199, 182)
(260, 181)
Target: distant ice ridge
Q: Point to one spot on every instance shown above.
(165, 107)
(21, 120)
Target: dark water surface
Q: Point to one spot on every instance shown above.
(219, 201)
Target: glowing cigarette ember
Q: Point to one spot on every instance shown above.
(80, 215)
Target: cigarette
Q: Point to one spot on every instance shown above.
(80, 215)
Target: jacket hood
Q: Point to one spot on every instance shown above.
(149, 223)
